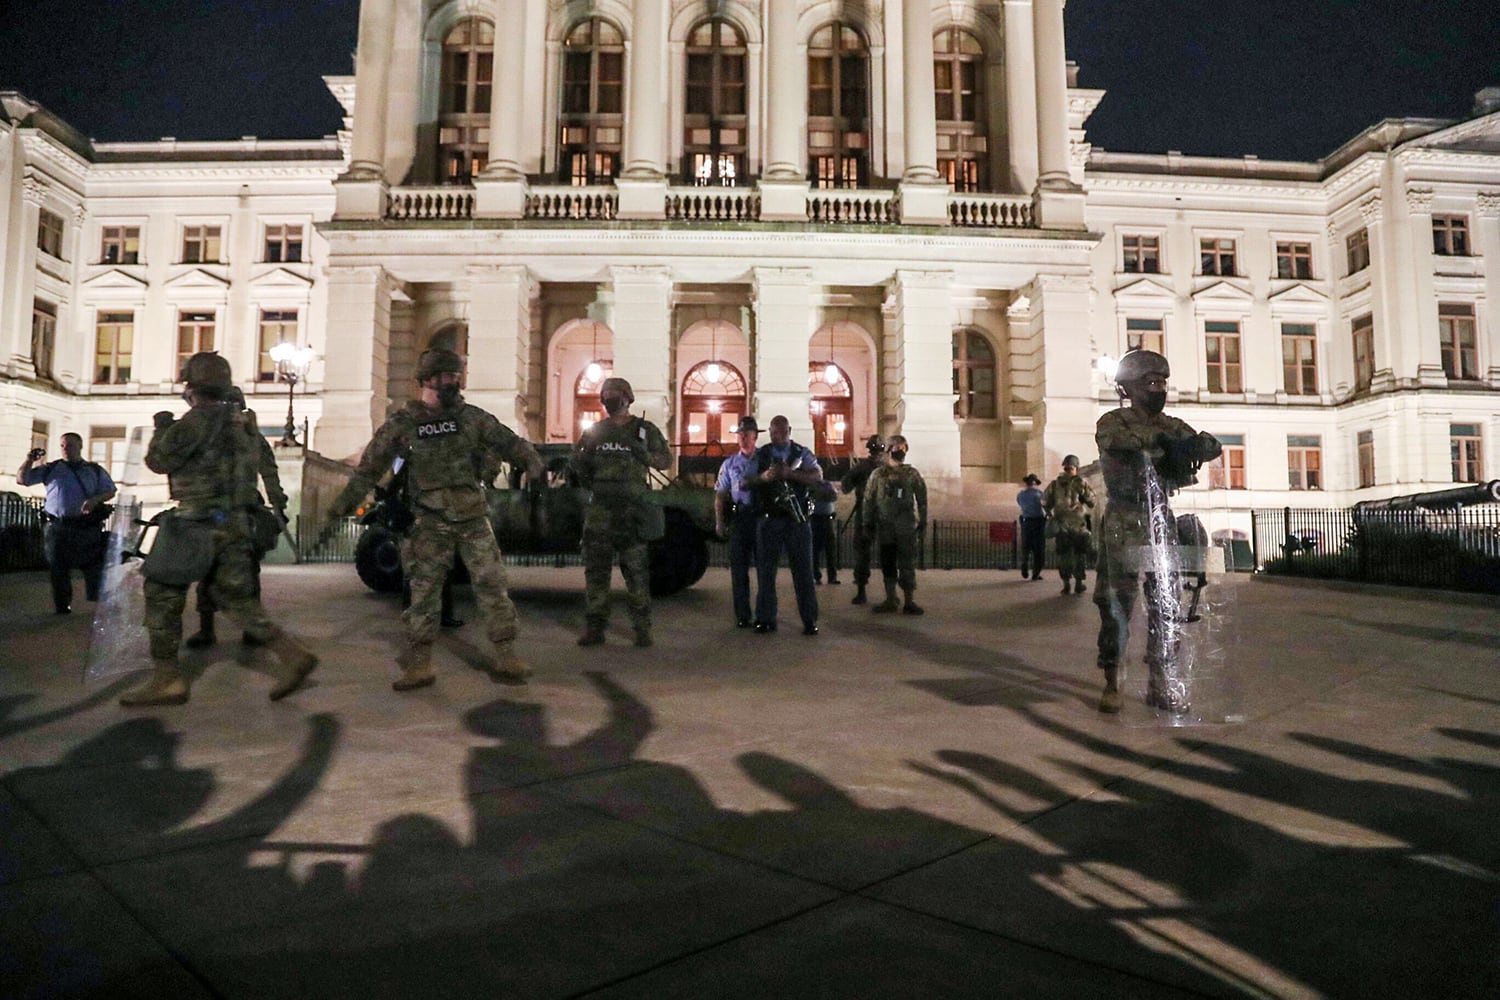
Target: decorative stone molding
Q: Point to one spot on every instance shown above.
(1488, 204)
(1419, 199)
(34, 190)
(1369, 209)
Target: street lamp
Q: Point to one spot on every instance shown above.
(291, 367)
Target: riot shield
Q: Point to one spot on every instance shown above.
(118, 643)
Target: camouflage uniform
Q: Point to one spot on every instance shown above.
(210, 459)
(1066, 499)
(610, 460)
(1129, 438)
(855, 482)
(448, 453)
(895, 512)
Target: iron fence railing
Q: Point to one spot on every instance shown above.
(1454, 548)
(21, 535)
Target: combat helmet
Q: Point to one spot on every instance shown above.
(1137, 365)
(875, 444)
(208, 371)
(436, 360)
(619, 384)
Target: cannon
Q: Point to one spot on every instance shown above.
(1458, 496)
(546, 519)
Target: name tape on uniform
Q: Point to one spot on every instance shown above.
(437, 428)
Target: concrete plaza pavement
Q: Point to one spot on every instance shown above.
(922, 807)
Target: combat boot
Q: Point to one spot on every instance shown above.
(508, 666)
(295, 657)
(1110, 701)
(1065, 589)
(415, 662)
(859, 594)
(204, 637)
(890, 604)
(1078, 586)
(910, 606)
(167, 686)
(643, 636)
(593, 633)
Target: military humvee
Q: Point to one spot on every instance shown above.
(547, 520)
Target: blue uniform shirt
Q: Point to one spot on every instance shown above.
(1030, 500)
(732, 476)
(68, 488)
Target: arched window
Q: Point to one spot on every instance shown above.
(963, 147)
(713, 400)
(464, 100)
(838, 108)
(973, 375)
(593, 103)
(831, 407)
(714, 121)
(587, 410)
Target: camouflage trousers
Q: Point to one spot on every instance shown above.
(898, 557)
(427, 553)
(1072, 554)
(233, 585)
(861, 554)
(1122, 534)
(607, 536)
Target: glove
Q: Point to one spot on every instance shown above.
(1209, 447)
(163, 418)
(281, 516)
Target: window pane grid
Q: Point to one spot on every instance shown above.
(1456, 335)
(1299, 364)
(1450, 235)
(114, 340)
(837, 104)
(276, 326)
(1357, 248)
(1217, 256)
(120, 245)
(1141, 254)
(1466, 450)
(1294, 260)
(593, 100)
(200, 245)
(284, 244)
(1222, 351)
(1363, 332)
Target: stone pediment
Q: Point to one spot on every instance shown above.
(1223, 291)
(197, 278)
(1145, 290)
(280, 277)
(1478, 135)
(115, 278)
(1299, 294)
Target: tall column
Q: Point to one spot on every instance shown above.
(924, 195)
(1063, 421)
(356, 355)
(642, 185)
(919, 349)
(1020, 95)
(783, 185)
(16, 331)
(500, 301)
(1387, 342)
(641, 319)
(1417, 305)
(1059, 200)
(1487, 241)
(360, 192)
(784, 323)
(500, 189)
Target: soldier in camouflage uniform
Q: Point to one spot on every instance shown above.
(271, 476)
(448, 447)
(610, 460)
(1067, 500)
(1135, 443)
(855, 482)
(895, 515)
(210, 459)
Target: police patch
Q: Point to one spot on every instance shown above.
(436, 428)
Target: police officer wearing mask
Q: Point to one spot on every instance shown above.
(854, 482)
(1136, 444)
(449, 448)
(611, 460)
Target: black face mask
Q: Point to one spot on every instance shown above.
(1152, 402)
(450, 396)
(614, 405)
(899, 454)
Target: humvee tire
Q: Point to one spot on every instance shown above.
(679, 558)
(377, 557)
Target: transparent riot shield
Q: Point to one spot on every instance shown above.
(1156, 566)
(118, 643)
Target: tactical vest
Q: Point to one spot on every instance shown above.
(443, 459)
(612, 469)
(898, 496)
(221, 472)
(777, 498)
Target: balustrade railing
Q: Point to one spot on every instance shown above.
(713, 204)
(1000, 211)
(595, 203)
(852, 206)
(427, 203)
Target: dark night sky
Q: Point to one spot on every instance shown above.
(1279, 78)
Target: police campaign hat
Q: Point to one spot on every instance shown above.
(205, 370)
(436, 360)
(1032, 479)
(747, 425)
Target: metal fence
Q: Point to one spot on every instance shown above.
(944, 545)
(21, 535)
(1455, 548)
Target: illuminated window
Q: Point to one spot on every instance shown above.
(973, 375)
(1140, 254)
(1304, 462)
(1299, 359)
(838, 125)
(1221, 349)
(586, 407)
(1465, 446)
(1227, 472)
(592, 124)
(715, 126)
(830, 407)
(958, 77)
(107, 447)
(1362, 329)
(195, 333)
(713, 400)
(114, 338)
(120, 245)
(1144, 335)
(1456, 337)
(1450, 235)
(1293, 260)
(276, 326)
(464, 112)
